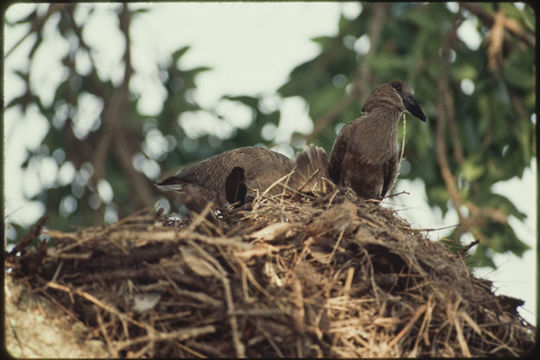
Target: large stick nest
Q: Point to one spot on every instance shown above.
(330, 276)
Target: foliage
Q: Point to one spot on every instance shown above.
(479, 103)
(116, 149)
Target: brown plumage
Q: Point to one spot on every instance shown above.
(365, 154)
(234, 175)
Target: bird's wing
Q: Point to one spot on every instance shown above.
(339, 150)
(264, 168)
(390, 173)
(261, 168)
(210, 173)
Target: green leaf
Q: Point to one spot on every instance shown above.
(28, 18)
(179, 53)
(250, 101)
(140, 11)
(438, 194)
(472, 169)
(482, 257)
(464, 71)
(518, 68)
(499, 202)
(383, 63)
(322, 40)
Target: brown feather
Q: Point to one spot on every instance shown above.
(311, 170)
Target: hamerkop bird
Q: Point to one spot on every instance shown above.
(231, 176)
(365, 154)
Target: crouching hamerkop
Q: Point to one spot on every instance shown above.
(235, 175)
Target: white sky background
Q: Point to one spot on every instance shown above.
(251, 49)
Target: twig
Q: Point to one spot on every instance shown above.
(425, 325)
(464, 249)
(270, 340)
(97, 302)
(199, 218)
(348, 282)
(298, 301)
(309, 179)
(34, 232)
(336, 245)
(257, 202)
(397, 194)
(112, 349)
(461, 338)
(430, 229)
(221, 274)
(331, 200)
(277, 182)
(52, 299)
(191, 351)
(239, 347)
(409, 325)
(178, 335)
(271, 313)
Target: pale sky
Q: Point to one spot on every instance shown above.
(251, 48)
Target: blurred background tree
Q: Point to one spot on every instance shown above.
(479, 99)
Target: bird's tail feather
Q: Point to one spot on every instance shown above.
(311, 170)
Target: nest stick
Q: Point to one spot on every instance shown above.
(409, 325)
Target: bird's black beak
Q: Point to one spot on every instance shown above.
(412, 105)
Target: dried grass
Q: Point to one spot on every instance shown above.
(325, 276)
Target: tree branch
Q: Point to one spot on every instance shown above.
(448, 100)
(445, 117)
(141, 193)
(115, 121)
(448, 177)
(496, 39)
(360, 81)
(510, 24)
(38, 23)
